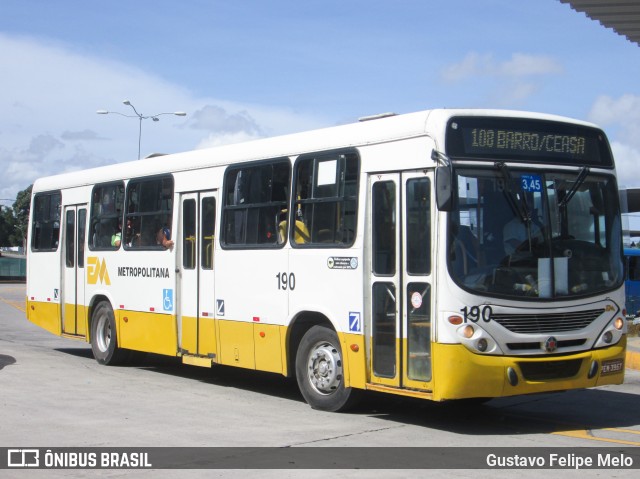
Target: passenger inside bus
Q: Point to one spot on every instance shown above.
(517, 233)
(163, 236)
(116, 239)
(131, 233)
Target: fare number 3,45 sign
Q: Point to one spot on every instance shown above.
(532, 183)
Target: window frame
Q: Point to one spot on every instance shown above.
(339, 198)
(227, 208)
(99, 218)
(138, 215)
(49, 219)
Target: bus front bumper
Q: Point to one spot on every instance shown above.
(460, 373)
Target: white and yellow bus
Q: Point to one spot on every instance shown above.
(444, 254)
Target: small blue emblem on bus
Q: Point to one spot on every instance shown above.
(167, 299)
(355, 325)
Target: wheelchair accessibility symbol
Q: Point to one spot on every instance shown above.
(167, 299)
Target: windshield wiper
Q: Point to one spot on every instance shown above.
(574, 188)
(517, 202)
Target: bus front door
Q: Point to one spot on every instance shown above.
(74, 318)
(400, 281)
(196, 287)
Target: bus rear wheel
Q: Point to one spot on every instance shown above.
(319, 371)
(104, 342)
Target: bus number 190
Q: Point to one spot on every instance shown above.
(286, 281)
(475, 313)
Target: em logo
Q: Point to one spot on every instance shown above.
(97, 270)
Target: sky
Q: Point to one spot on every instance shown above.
(246, 69)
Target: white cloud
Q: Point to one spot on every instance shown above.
(471, 65)
(485, 65)
(620, 118)
(216, 119)
(622, 110)
(523, 65)
(81, 135)
(506, 83)
(219, 139)
(49, 123)
(515, 94)
(42, 145)
(627, 160)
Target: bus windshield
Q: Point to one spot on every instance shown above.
(526, 233)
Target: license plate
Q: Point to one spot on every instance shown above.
(612, 367)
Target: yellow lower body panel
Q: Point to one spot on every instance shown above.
(149, 332)
(236, 344)
(189, 342)
(207, 345)
(75, 320)
(83, 320)
(251, 345)
(46, 315)
(459, 373)
(268, 347)
(354, 357)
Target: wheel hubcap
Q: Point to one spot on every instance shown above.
(103, 333)
(325, 368)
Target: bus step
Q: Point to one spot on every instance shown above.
(197, 361)
(80, 337)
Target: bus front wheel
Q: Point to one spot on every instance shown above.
(104, 343)
(319, 371)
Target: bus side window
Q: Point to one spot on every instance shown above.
(256, 198)
(149, 210)
(326, 187)
(107, 202)
(46, 221)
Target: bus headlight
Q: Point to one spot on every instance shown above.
(467, 331)
(477, 340)
(612, 333)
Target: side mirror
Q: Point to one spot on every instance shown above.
(444, 188)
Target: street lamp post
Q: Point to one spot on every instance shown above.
(140, 117)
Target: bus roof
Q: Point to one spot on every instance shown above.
(385, 129)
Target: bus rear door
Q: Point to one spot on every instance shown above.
(73, 280)
(196, 287)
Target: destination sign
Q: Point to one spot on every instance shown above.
(535, 141)
(524, 141)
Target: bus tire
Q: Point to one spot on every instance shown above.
(319, 371)
(104, 342)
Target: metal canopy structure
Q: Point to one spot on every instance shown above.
(623, 16)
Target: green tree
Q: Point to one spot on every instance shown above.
(7, 224)
(21, 209)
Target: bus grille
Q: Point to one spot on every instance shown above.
(544, 371)
(547, 323)
(571, 343)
